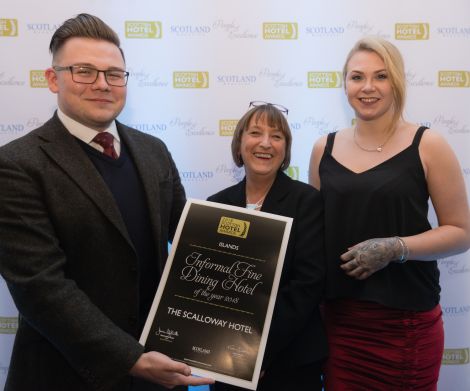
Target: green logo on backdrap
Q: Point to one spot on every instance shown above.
(8, 28)
(37, 79)
(8, 325)
(325, 79)
(143, 29)
(293, 172)
(454, 79)
(280, 30)
(456, 356)
(411, 31)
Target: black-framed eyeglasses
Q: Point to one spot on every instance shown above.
(87, 75)
(281, 108)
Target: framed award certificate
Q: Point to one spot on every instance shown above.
(215, 300)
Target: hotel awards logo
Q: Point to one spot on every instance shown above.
(324, 79)
(8, 28)
(37, 79)
(411, 31)
(293, 172)
(190, 79)
(280, 31)
(8, 324)
(456, 356)
(454, 79)
(227, 127)
(233, 227)
(143, 29)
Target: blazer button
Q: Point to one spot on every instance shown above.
(133, 269)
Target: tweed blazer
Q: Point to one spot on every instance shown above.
(296, 336)
(68, 261)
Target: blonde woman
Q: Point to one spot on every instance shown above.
(382, 312)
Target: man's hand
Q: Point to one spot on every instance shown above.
(365, 258)
(158, 368)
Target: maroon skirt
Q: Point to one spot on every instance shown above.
(373, 347)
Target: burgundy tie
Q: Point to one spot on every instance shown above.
(106, 140)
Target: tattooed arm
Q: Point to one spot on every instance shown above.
(365, 258)
(447, 190)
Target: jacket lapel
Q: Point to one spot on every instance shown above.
(278, 191)
(62, 148)
(238, 196)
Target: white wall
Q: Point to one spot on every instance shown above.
(228, 42)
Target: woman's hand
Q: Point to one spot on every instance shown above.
(365, 258)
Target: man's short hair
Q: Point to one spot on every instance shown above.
(83, 26)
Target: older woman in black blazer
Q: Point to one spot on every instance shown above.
(296, 344)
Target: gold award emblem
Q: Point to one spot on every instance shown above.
(456, 356)
(454, 79)
(280, 31)
(190, 79)
(8, 324)
(324, 79)
(143, 29)
(227, 127)
(8, 28)
(233, 227)
(37, 79)
(411, 31)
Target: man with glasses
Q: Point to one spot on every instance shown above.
(87, 206)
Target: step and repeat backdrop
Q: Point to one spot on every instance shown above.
(195, 66)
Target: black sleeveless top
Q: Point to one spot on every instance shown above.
(390, 199)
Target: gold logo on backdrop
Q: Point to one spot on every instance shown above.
(280, 31)
(324, 79)
(143, 29)
(456, 356)
(37, 79)
(190, 79)
(8, 28)
(233, 227)
(227, 127)
(411, 31)
(293, 172)
(454, 79)
(8, 325)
